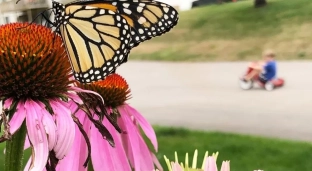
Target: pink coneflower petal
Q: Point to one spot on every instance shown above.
(72, 106)
(144, 124)
(137, 151)
(72, 77)
(74, 97)
(65, 127)
(83, 148)
(7, 103)
(18, 118)
(50, 128)
(156, 162)
(76, 157)
(27, 143)
(176, 167)
(26, 168)
(104, 155)
(211, 164)
(77, 89)
(225, 166)
(145, 156)
(37, 136)
(130, 139)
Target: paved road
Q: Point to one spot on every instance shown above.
(206, 96)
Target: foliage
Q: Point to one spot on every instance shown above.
(235, 31)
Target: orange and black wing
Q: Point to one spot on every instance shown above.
(97, 41)
(146, 18)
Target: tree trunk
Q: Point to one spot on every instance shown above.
(260, 3)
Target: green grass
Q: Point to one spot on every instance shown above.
(245, 152)
(235, 31)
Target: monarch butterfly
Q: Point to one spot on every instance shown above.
(99, 34)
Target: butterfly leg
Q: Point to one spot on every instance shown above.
(47, 19)
(41, 14)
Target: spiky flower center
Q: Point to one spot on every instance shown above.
(114, 90)
(33, 62)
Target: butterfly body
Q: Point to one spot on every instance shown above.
(99, 34)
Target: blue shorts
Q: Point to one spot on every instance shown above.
(262, 79)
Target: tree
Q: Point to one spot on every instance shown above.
(260, 3)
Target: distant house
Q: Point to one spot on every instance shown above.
(27, 10)
(184, 5)
(181, 5)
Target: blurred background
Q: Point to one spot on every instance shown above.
(186, 82)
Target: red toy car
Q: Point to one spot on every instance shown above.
(270, 85)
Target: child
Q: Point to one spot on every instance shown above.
(266, 70)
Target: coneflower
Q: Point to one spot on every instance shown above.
(130, 151)
(36, 92)
(209, 163)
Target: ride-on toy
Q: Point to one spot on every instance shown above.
(269, 86)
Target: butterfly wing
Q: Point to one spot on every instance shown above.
(96, 39)
(146, 18)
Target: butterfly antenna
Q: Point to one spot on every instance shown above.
(53, 25)
(17, 1)
(47, 19)
(40, 14)
(46, 24)
(41, 22)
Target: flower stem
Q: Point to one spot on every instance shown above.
(14, 151)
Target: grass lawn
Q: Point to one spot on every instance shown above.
(245, 152)
(235, 31)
